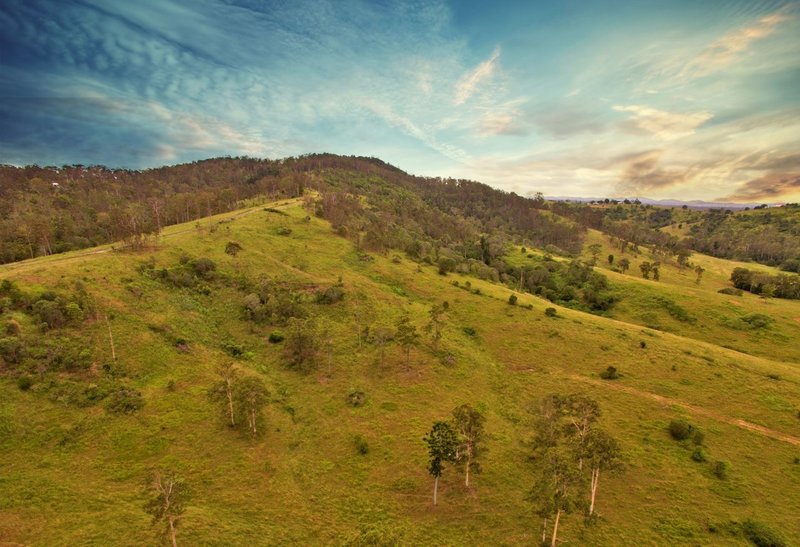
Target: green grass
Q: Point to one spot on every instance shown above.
(73, 476)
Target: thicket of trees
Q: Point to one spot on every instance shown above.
(780, 286)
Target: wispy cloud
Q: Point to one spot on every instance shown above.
(469, 83)
(770, 187)
(664, 125)
(729, 47)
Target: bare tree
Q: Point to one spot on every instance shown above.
(168, 503)
(469, 424)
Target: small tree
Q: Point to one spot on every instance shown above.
(406, 335)
(645, 267)
(624, 264)
(222, 390)
(251, 395)
(434, 326)
(595, 249)
(557, 492)
(442, 443)
(468, 423)
(168, 503)
(610, 260)
(655, 269)
(699, 271)
(602, 453)
(301, 346)
(382, 335)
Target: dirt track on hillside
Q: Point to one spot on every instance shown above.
(771, 433)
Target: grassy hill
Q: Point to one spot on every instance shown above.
(73, 470)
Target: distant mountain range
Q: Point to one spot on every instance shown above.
(695, 204)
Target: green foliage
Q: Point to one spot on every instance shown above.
(680, 429)
(779, 286)
(232, 248)
(762, 535)
(699, 454)
(331, 295)
(124, 401)
(731, 291)
(610, 373)
(361, 444)
(12, 350)
(442, 443)
(721, 469)
(550, 312)
(24, 382)
(512, 300)
(276, 337)
(301, 347)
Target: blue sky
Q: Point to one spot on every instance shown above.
(680, 99)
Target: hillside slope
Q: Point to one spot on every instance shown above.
(73, 470)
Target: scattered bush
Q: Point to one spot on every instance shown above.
(356, 398)
(721, 469)
(698, 437)
(469, 331)
(276, 337)
(642, 344)
(125, 401)
(13, 328)
(761, 535)
(699, 455)
(171, 386)
(550, 312)
(512, 299)
(24, 383)
(11, 350)
(331, 295)
(609, 374)
(361, 444)
(731, 291)
(680, 429)
(283, 231)
(232, 248)
(233, 349)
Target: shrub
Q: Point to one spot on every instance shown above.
(550, 312)
(232, 248)
(356, 398)
(12, 328)
(125, 401)
(204, 268)
(680, 429)
(642, 344)
(469, 331)
(512, 299)
(698, 437)
(699, 455)
(24, 383)
(331, 295)
(361, 444)
(721, 469)
(233, 349)
(283, 231)
(761, 535)
(609, 374)
(11, 350)
(276, 337)
(74, 313)
(731, 291)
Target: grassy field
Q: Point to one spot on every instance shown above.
(74, 476)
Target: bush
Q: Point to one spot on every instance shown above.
(698, 437)
(731, 291)
(356, 398)
(233, 349)
(609, 374)
(680, 429)
(284, 231)
(361, 444)
(24, 383)
(204, 268)
(550, 312)
(469, 331)
(11, 350)
(276, 337)
(331, 295)
(125, 401)
(721, 469)
(761, 535)
(699, 455)
(642, 344)
(232, 248)
(512, 299)
(13, 328)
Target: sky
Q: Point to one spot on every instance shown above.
(629, 98)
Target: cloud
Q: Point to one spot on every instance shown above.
(770, 187)
(469, 83)
(641, 172)
(729, 47)
(664, 125)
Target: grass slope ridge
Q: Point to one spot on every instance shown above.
(306, 480)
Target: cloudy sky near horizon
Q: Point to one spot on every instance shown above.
(663, 99)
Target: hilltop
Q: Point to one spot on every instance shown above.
(119, 345)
